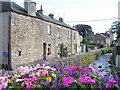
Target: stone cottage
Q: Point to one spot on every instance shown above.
(27, 35)
(102, 40)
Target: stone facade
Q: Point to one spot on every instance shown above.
(28, 38)
(101, 40)
(28, 34)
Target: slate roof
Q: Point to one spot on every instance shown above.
(11, 6)
(106, 34)
(47, 18)
(101, 35)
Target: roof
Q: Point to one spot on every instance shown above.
(101, 35)
(106, 34)
(11, 6)
(47, 18)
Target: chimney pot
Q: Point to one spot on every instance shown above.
(61, 19)
(51, 15)
(41, 10)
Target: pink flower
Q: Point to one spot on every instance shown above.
(99, 74)
(91, 81)
(3, 81)
(80, 69)
(24, 70)
(30, 79)
(16, 76)
(67, 80)
(86, 79)
(71, 70)
(83, 79)
(42, 73)
(110, 83)
(88, 70)
(30, 85)
(3, 85)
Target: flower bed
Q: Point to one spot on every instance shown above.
(42, 76)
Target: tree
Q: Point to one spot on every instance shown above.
(84, 30)
(115, 29)
(86, 42)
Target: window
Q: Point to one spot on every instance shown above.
(58, 49)
(74, 36)
(68, 46)
(19, 53)
(49, 49)
(58, 33)
(49, 29)
(102, 42)
(68, 34)
(98, 41)
(75, 48)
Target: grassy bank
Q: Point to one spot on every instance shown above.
(83, 59)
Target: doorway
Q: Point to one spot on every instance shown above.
(44, 50)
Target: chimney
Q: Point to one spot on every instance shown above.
(41, 10)
(30, 7)
(61, 19)
(51, 16)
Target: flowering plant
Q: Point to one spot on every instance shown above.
(47, 77)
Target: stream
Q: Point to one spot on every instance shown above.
(102, 64)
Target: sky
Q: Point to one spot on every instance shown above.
(76, 11)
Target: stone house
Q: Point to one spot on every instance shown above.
(102, 40)
(27, 35)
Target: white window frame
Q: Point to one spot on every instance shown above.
(49, 29)
(58, 33)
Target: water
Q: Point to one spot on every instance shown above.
(102, 64)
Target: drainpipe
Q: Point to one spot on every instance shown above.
(9, 43)
(71, 41)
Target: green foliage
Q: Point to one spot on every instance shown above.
(85, 41)
(63, 50)
(84, 30)
(115, 29)
(104, 51)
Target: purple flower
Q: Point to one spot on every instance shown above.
(6, 72)
(62, 58)
(59, 74)
(46, 83)
(71, 70)
(110, 83)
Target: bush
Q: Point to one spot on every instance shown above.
(104, 51)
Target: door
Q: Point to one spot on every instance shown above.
(44, 50)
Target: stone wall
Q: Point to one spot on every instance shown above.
(28, 35)
(25, 39)
(80, 59)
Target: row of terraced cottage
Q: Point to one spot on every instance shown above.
(27, 35)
